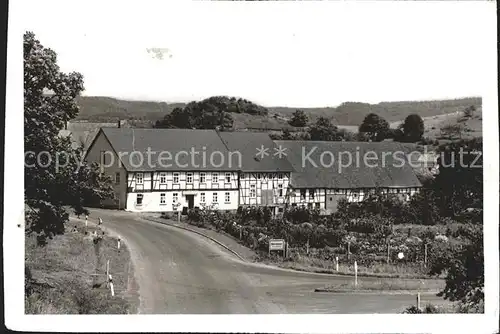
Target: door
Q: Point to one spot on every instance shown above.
(190, 201)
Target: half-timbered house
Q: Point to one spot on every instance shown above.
(265, 170)
(162, 170)
(325, 172)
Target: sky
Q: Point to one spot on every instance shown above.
(276, 54)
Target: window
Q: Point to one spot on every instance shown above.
(162, 199)
(228, 177)
(280, 210)
(311, 193)
(242, 176)
(214, 198)
(215, 177)
(175, 198)
(139, 199)
(163, 178)
(117, 178)
(316, 205)
(202, 177)
(103, 157)
(253, 191)
(139, 178)
(189, 177)
(280, 190)
(176, 177)
(280, 176)
(302, 193)
(227, 197)
(309, 205)
(202, 197)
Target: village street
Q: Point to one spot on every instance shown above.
(182, 272)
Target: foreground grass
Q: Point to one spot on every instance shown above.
(60, 280)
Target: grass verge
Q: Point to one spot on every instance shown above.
(382, 270)
(397, 285)
(61, 277)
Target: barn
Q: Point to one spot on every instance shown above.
(325, 172)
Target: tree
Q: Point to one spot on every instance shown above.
(459, 184)
(452, 131)
(347, 135)
(413, 128)
(178, 118)
(54, 174)
(286, 135)
(469, 111)
(323, 129)
(211, 113)
(299, 119)
(375, 127)
(464, 268)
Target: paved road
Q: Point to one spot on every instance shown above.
(182, 272)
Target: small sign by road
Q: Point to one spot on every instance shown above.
(276, 244)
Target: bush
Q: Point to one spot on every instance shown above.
(259, 215)
(429, 308)
(298, 215)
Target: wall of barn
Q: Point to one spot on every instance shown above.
(263, 189)
(103, 154)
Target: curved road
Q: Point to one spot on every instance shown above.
(182, 272)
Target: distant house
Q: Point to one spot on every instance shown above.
(325, 172)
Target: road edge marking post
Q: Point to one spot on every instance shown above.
(118, 245)
(336, 263)
(111, 285)
(355, 274)
(107, 272)
(418, 300)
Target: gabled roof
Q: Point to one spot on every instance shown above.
(393, 172)
(248, 143)
(172, 149)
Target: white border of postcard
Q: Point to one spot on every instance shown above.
(14, 214)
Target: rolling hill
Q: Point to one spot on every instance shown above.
(348, 114)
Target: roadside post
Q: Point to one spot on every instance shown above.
(118, 243)
(107, 271)
(388, 252)
(418, 300)
(336, 263)
(355, 274)
(425, 255)
(86, 220)
(111, 286)
(348, 249)
(277, 244)
(241, 232)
